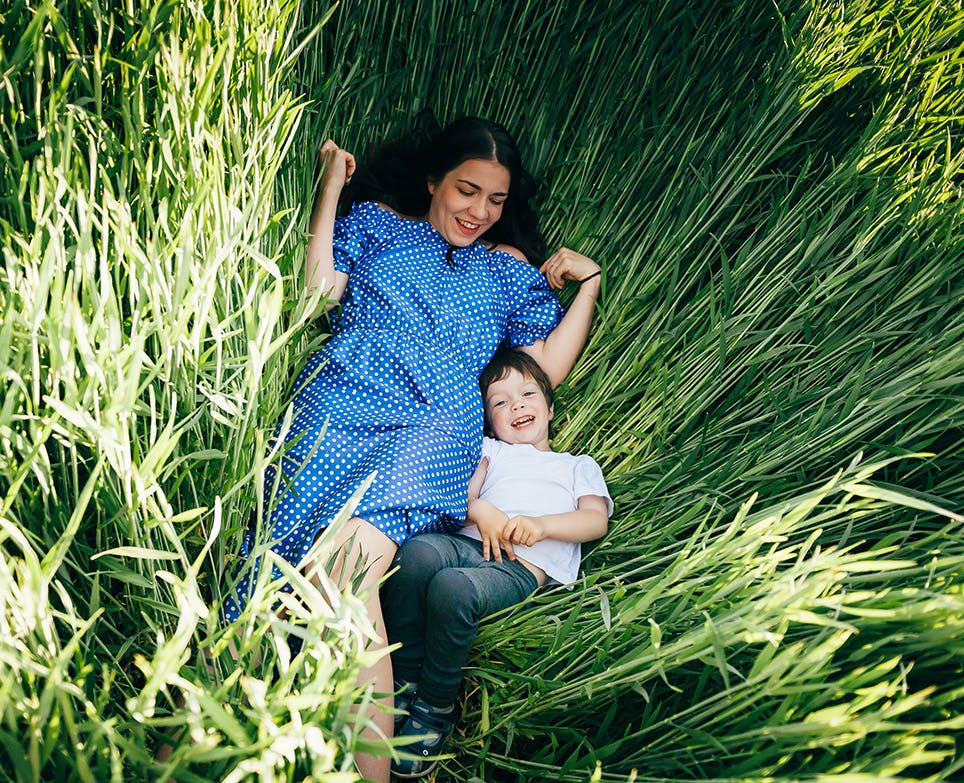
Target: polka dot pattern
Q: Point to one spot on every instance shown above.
(394, 392)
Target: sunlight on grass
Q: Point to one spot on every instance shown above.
(773, 385)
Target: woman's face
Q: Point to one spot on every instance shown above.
(468, 200)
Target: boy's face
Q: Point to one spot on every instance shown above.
(517, 412)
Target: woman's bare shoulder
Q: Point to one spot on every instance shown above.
(511, 250)
(383, 205)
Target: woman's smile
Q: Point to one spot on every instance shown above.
(469, 229)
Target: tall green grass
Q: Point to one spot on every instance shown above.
(148, 315)
(773, 386)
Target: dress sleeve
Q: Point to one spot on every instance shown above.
(363, 228)
(589, 481)
(534, 309)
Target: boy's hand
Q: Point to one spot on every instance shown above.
(491, 530)
(490, 522)
(522, 530)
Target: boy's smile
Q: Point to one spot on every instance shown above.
(517, 411)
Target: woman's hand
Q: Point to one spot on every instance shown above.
(337, 167)
(566, 264)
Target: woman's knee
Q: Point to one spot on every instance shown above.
(359, 546)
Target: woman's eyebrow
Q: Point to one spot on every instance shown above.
(471, 184)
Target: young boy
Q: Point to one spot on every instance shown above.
(529, 510)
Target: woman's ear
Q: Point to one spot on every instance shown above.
(431, 186)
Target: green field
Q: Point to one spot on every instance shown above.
(774, 385)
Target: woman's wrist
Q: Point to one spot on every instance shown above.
(591, 284)
(330, 190)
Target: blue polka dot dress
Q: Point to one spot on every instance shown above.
(395, 392)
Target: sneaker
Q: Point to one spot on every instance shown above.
(404, 697)
(433, 729)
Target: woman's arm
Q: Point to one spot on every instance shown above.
(589, 522)
(558, 352)
(337, 168)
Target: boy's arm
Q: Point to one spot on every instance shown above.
(589, 522)
(485, 516)
(478, 479)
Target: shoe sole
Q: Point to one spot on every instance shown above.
(415, 775)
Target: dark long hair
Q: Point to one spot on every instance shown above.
(397, 173)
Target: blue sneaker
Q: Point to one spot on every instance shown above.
(433, 729)
(404, 697)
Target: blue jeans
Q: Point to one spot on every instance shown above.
(433, 604)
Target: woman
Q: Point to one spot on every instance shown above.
(428, 290)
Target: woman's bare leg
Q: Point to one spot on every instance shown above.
(357, 538)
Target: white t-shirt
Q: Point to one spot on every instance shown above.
(522, 480)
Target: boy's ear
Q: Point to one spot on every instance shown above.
(552, 410)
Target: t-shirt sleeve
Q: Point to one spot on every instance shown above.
(363, 228)
(589, 481)
(535, 310)
(489, 447)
